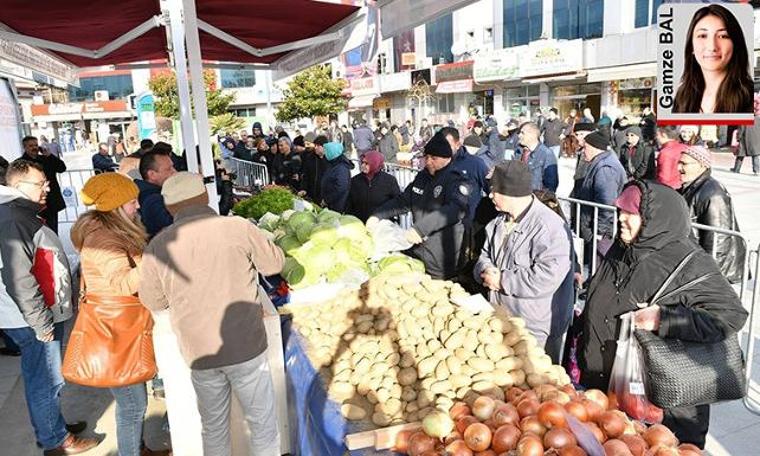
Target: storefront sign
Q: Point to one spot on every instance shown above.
(395, 82)
(381, 104)
(365, 86)
(454, 71)
(79, 108)
(461, 86)
(34, 59)
(633, 84)
(422, 75)
(408, 59)
(499, 65)
(544, 57)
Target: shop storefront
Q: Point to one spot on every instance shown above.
(633, 95)
(576, 96)
(493, 70)
(521, 100)
(455, 92)
(392, 105)
(627, 88)
(363, 93)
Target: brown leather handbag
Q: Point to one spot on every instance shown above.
(111, 344)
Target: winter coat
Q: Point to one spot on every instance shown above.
(493, 152)
(710, 204)
(286, 170)
(241, 152)
(476, 170)
(52, 166)
(389, 148)
(108, 267)
(102, 163)
(35, 290)
(439, 209)
(749, 140)
(153, 212)
(551, 130)
(632, 273)
(639, 164)
(348, 142)
(203, 269)
(336, 182)
(534, 258)
(667, 164)
(364, 139)
(3, 167)
(648, 124)
(313, 169)
(543, 166)
(366, 196)
(603, 182)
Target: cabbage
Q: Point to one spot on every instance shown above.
(347, 250)
(286, 214)
(400, 264)
(326, 215)
(292, 271)
(288, 243)
(321, 256)
(301, 218)
(269, 221)
(346, 220)
(323, 233)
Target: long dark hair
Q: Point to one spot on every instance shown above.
(735, 92)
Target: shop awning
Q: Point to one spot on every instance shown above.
(556, 77)
(402, 15)
(364, 101)
(457, 86)
(616, 73)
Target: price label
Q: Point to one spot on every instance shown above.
(636, 388)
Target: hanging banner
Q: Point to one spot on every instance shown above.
(10, 135)
(404, 56)
(453, 71)
(146, 115)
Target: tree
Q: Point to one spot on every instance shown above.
(311, 93)
(223, 123)
(164, 88)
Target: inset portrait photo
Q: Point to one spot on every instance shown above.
(705, 63)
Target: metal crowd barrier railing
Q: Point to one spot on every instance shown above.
(71, 182)
(576, 209)
(404, 176)
(248, 175)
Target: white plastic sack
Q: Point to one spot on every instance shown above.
(388, 238)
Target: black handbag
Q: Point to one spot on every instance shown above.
(684, 373)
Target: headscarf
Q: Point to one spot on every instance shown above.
(333, 150)
(375, 161)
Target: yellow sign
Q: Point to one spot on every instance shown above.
(381, 103)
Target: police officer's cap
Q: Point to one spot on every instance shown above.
(438, 146)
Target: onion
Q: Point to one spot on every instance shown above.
(569, 389)
(491, 424)
(486, 453)
(506, 414)
(577, 409)
(458, 410)
(598, 434)
(615, 447)
(592, 409)
(463, 422)
(512, 394)
(599, 397)
(558, 396)
(527, 407)
(666, 451)
(635, 443)
(438, 424)
(477, 436)
(612, 425)
(530, 445)
(402, 440)
(454, 436)
(528, 394)
(572, 450)
(551, 415)
(639, 427)
(430, 453)
(532, 425)
(559, 438)
(457, 448)
(420, 443)
(505, 438)
(660, 435)
(689, 447)
(483, 407)
(543, 390)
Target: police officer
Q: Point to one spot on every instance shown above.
(438, 198)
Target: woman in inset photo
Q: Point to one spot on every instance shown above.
(716, 76)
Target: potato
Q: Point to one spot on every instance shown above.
(408, 394)
(471, 341)
(456, 340)
(434, 345)
(407, 360)
(511, 338)
(517, 322)
(482, 387)
(462, 392)
(460, 380)
(507, 364)
(484, 377)
(440, 387)
(480, 352)
(462, 354)
(484, 335)
(495, 352)
(442, 371)
(363, 366)
(424, 399)
(481, 364)
(391, 407)
(411, 407)
(426, 383)
(535, 380)
(407, 376)
(381, 419)
(363, 388)
(503, 379)
(454, 365)
(353, 412)
(427, 366)
(383, 395)
(379, 368)
(422, 351)
(342, 390)
(444, 334)
(468, 370)
(388, 383)
(393, 359)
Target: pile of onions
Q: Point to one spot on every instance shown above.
(535, 423)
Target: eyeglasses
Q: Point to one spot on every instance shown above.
(42, 184)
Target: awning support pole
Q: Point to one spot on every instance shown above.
(198, 87)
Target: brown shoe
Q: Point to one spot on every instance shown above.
(73, 445)
(148, 452)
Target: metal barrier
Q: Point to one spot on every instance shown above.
(72, 182)
(248, 175)
(750, 353)
(576, 207)
(404, 176)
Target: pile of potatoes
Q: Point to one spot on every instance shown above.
(399, 348)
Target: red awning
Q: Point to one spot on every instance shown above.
(91, 25)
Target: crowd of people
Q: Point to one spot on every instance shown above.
(484, 213)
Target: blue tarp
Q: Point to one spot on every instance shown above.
(316, 426)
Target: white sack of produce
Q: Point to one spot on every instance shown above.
(388, 237)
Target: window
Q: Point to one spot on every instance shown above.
(445, 103)
(646, 12)
(578, 19)
(522, 21)
(438, 39)
(243, 112)
(118, 86)
(235, 79)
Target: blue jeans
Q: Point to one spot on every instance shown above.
(131, 403)
(41, 370)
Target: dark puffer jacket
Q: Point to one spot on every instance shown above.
(336, 182)
(710, 204)
(639, 163)
(632, 273)
(365, 196)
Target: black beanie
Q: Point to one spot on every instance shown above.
(597, 140)
(584, 126)
(512, 178)
(438, 146)
(298, 141)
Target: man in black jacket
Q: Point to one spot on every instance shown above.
(102, 162)
(52, 166)
(313, 168)
(710, 204)
(637, 155)
(438, 198)
(553, 131)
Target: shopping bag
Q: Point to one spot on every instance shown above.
(627, 387)
(388, 237)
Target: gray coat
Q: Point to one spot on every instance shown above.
(749, 140)
(534, 260)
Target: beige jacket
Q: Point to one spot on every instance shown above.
(108, 268)
(203, 268)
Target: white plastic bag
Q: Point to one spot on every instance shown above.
(388, 238)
